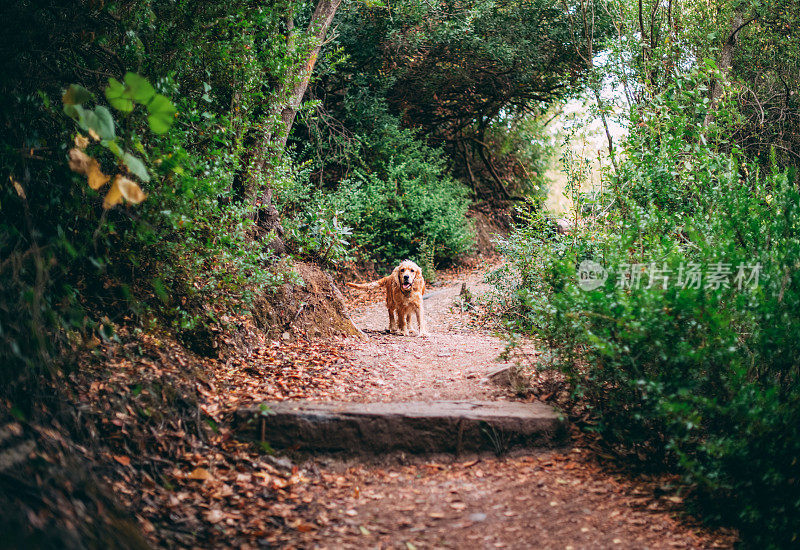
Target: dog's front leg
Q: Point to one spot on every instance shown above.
(403, 318)
(392, 320)
(421, 321)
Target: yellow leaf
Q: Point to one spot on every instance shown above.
(130, 190)
(81, 142)
(18, 188)
(122, 459)
(200, 474)
(78, 161)
(113, 198)
(81, 163)
(97, 178)
(94, 134)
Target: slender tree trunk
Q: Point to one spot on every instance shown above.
(463, 147)
(286, 101)
(587, 21)
(725, 62)
(268, 147)
(487, 161)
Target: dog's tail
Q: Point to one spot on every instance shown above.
(374, 284)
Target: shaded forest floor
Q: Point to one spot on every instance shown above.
(160, 418)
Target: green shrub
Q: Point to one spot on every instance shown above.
(701, 379)
(405, 201)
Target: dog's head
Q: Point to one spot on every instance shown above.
(408, 273)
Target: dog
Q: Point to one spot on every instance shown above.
(404, 290)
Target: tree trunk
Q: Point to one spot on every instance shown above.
(725, 62)
(286, 101)
(268, 147)
(588, 24)
(487, 162)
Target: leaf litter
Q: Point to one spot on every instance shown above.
(159, 414)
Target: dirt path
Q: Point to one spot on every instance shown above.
(536, 499)
(451, 363)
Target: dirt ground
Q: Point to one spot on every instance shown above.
(450, 363)
(159, 415)
(560, 498)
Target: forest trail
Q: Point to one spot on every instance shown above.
(450, 364)
(532, 498)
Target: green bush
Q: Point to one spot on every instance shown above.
(406, 202)
(701, 379)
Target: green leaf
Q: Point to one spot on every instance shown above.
(71, 111)
(76, 95)
(136, 166)
(104, 122)
(160, 290)
(81, 115)
(114, 147)
(118, 97)
(162, 114)
(139, 89)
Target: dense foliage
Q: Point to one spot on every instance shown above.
(159, 184)
(469, 77)
(687, 354)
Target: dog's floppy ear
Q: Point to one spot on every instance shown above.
(419, 280)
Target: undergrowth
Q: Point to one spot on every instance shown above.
(687, 351)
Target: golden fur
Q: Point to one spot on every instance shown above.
(404, 290)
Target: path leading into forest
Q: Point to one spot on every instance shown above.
(533, 498)
(450, 364)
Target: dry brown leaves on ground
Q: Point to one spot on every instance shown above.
(159, 415)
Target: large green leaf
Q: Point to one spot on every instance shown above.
(104, 123)
(162, 114)
(139, 89)
(136, 166)
(118, 96)
(99, 120)
(71, 111)
(80, 114)
(114, 147)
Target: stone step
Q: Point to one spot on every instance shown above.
(416, 427)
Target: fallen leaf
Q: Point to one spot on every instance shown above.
(18, 188)
(199, 474)
(122, 459)
(81, 163)
(113, 197)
